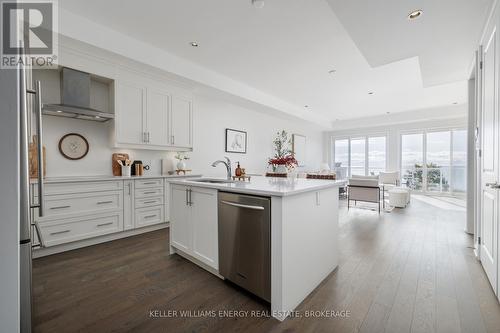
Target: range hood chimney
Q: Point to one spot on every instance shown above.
(75, 98)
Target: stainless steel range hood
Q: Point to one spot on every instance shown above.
(75, 98)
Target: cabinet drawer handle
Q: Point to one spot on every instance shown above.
(150, 192)
(148, 202)
(149, 183)
(103, 224)
(149, 216)
(104, 202)
(60, 232)
(60, 207)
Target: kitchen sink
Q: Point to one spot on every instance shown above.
(212, 181)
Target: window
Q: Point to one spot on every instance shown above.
(435, 161)
(438, 161)
(342, 153)
(376, 154)
(359, 155)
(412, 160)
(459, 161)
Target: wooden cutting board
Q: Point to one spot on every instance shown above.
(33, 159)
(117, 169)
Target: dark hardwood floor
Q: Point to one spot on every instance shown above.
(411, 270)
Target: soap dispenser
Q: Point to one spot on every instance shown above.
(237, 172)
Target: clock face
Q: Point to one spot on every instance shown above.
(73, 146)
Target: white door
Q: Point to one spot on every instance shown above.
(181, 125)
(130, 113)
(180, 224)
(157, 118)
(489, 168)
(204, 222)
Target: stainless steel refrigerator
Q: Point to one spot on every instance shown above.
(30, 191)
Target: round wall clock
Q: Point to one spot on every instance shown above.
(73, 146)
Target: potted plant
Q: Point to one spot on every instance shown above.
(283, 160)
(180, 157)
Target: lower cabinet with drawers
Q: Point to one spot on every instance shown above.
(76, 211)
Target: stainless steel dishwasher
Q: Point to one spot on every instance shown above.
(245, 242)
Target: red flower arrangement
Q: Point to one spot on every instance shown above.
(288, 161)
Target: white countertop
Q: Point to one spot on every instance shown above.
(267, 186)
(70, 179)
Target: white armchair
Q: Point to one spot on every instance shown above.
(388, 181)
(363, 188)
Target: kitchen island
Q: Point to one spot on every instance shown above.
(303, 230)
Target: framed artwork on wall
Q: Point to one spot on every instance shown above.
(236, 141)
(299, 148)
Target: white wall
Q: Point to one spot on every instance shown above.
(213, 116)
(393, 133)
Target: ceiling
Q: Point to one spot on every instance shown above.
(287, 48)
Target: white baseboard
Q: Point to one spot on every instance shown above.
(38, 253)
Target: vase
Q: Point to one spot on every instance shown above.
(281, 169)
(181, 165)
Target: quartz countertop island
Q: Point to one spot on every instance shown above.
(303, 230)
(266, 186)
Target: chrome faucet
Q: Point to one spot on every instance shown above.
(227, 164)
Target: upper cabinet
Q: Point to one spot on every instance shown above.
(130, 99)
(157, 123)
(182, 118)
(150, 117)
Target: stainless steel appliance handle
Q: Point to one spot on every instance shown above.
(38, 93)
(187, 197)
(190, 197)
(24, 189)
(234, 204)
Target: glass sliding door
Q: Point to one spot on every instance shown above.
(341, 158)
(412, 160)
(376, 154)
(438, 161)
(458, 177)
(358, 156)
(435, 161)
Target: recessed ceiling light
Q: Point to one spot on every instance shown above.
(258, 3)
(194, 44)
(331, 71)
(97, 117)
(415, 14)
(58, 111)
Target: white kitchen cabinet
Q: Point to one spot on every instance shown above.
(205, 226)
(157, 123)
(194, 223)
(181, 122)
(149, 117)
(180, 218)
(130, 113)
(128, 205)
(149, 202)
(148, 216)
